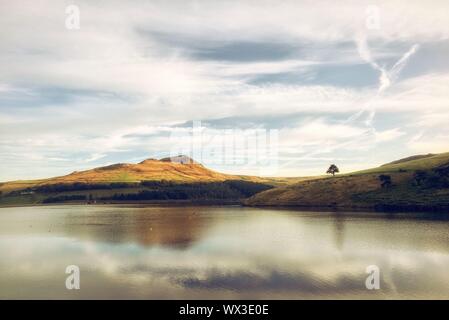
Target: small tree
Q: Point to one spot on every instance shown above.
(420, 177)
(385, 180)
(333, 169)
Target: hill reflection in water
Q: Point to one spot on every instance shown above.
(219, 252)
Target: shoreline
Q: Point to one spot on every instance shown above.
(174, 203)
(374, 208)
(380, 208)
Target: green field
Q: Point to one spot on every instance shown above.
(415, 184)
(134, 192)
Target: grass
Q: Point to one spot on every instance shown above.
(149, 170)
(19, 200)
(357, 189)
(412, 165)
(363, 188)
(97, 183)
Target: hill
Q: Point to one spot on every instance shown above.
(177, 178)
(180, 169)
(417, 157)
(415, 183)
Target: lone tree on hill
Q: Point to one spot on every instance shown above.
(333, 169)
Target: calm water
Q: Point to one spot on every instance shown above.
(218, 252)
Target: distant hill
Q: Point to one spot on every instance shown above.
(416, 183)
(179, 169)
(417, 157)
(176, 178)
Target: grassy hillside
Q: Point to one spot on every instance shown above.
(417, 157)
(417, 183)
(414, 183)
(178, 178)
(148, 170)
(424, 163)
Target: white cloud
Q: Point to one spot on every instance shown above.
(430, 143)
(83, 94)
(388, 135)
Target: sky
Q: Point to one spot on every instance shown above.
(246, 87)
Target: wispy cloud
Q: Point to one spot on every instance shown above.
(113, 90)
